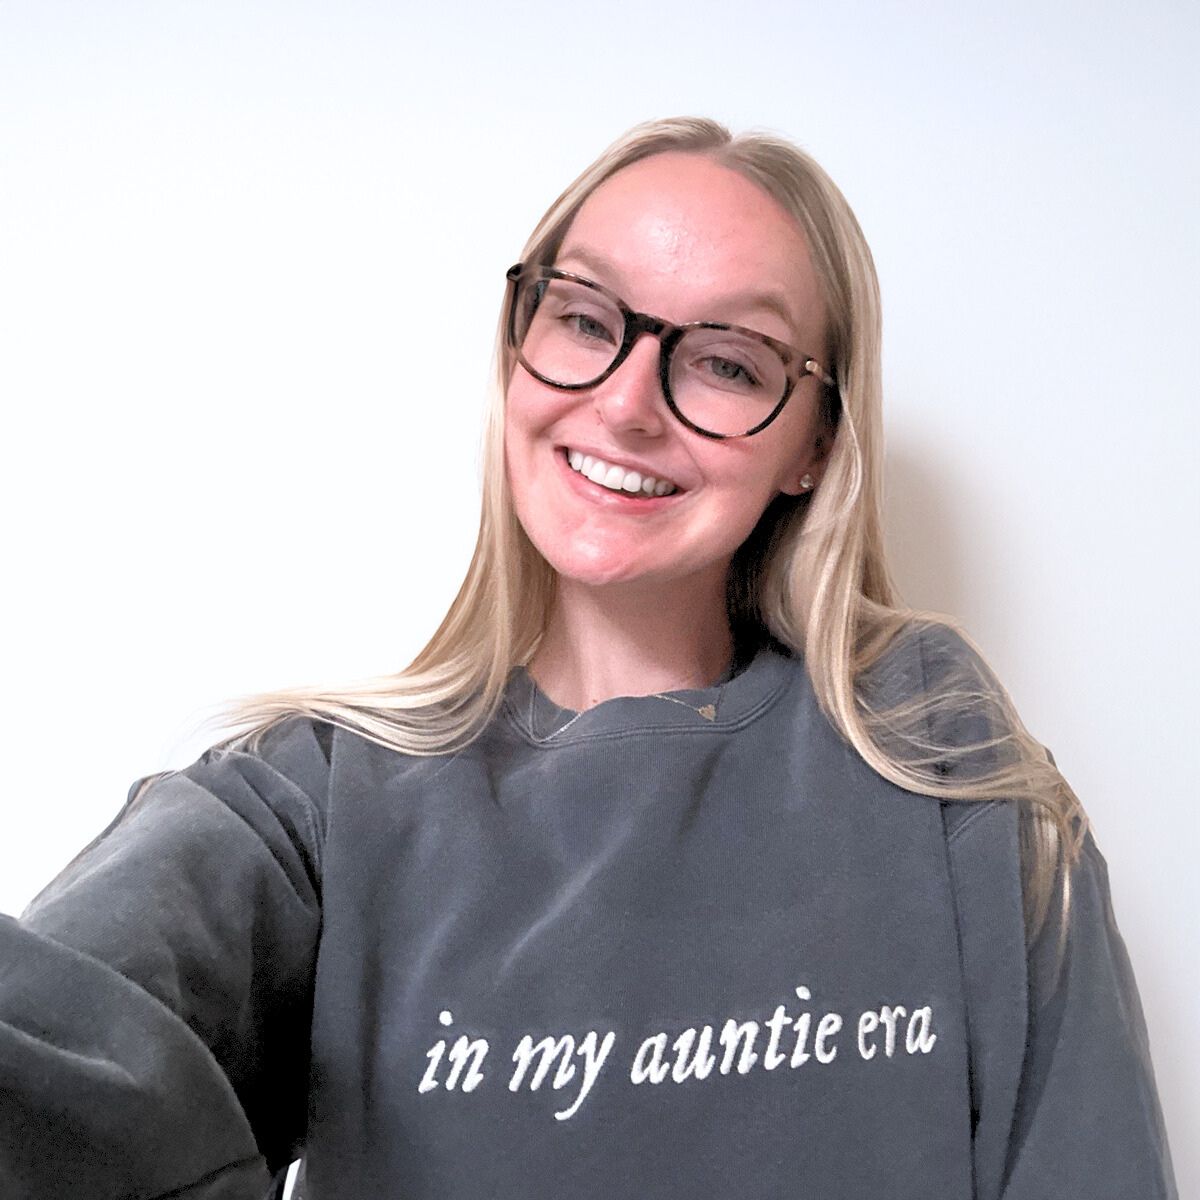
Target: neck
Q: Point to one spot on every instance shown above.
(631, 641)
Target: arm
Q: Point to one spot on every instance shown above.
(155, 998)
(1062, 1081)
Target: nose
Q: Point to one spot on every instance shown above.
(631, 400)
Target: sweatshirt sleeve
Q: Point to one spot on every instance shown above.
(1063, 1091)
(155, 998)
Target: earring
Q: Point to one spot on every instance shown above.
(806, 482)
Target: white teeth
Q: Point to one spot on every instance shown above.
(617, 479)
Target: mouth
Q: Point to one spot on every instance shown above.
(615, 477)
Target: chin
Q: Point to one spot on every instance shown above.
(599, 568)
(596, 572)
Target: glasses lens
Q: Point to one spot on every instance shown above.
(725, 382)
(567, 332)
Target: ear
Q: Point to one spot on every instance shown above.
(803, 478)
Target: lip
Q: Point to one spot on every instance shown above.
(598, 494)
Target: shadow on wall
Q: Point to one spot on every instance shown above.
(928, 533)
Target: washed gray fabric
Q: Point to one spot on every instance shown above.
(633, 952)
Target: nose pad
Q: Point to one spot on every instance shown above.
(631, 398)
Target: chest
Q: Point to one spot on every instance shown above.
(639, 982)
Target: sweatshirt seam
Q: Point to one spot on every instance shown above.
(258, 837)
(207, 1178)
(952, 843)
(309, 808)
(953, 878)
(981, 809)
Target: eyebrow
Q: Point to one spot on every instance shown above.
(749, 301)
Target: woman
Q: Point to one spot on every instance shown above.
(682, 861)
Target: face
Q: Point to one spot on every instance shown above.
(685, 239)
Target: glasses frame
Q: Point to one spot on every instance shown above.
(796, 364)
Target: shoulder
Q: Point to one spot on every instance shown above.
(1062, 1079)
(300, 748)
(297, 748)
(921, 655)
(277, 784)
(934, 701)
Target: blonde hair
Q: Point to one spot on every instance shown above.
(812, 576)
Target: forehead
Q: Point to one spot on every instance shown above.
(680, 233)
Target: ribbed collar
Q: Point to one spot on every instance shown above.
(734, 703)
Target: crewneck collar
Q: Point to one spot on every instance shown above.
(732, 702)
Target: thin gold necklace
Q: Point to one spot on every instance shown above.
(707, 711)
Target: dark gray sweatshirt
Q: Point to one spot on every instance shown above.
(688, 946)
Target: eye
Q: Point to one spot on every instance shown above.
(587, 327)
(727, 370)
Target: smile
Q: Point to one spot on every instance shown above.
(617, 478)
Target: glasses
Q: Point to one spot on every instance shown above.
(722, 381)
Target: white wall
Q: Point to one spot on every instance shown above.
(237, 454)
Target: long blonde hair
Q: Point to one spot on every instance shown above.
(812, 576)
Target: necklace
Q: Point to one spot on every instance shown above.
(707, 711)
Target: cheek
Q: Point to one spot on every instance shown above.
(520, 425)
(750, 516)
(794, 454)
(531, 408)
(529, 414)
